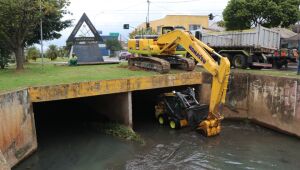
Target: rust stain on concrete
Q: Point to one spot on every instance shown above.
(84, 89)
(16, 126)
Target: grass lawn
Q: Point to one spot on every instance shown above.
(35, 75)
(269, 72)
(47, 60)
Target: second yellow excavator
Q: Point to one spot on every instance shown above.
(158, 53)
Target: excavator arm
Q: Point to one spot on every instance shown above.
(220, 72)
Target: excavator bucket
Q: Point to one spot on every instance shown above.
(196, 114)
(211, 127)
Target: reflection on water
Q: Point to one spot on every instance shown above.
(240, 146)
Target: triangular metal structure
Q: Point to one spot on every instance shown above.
(73, 39)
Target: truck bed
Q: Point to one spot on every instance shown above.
(257, 38)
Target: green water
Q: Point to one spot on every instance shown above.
(240, 146)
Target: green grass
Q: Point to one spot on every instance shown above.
(276, 73)
(268, 72)
(36, 75)
(47, 60)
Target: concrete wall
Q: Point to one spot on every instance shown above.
(17, 127)
(3, 164)
(271, 101)
(116, 107)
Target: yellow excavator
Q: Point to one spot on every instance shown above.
(159, 53)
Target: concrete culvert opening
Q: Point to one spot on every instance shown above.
(75, 114)
(68, 134)
(143, 104)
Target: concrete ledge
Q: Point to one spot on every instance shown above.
(94, 88)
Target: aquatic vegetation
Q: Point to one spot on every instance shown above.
(120, 131)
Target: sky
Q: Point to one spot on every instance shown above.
(110, 15)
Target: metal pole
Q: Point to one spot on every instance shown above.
(41, 25)
(147, 19)
(148, 11)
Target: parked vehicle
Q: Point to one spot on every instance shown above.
(258, 47)
(124, 55)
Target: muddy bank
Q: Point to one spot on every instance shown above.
(271, 101)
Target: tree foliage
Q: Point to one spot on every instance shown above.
(113, 45)
(62, 52)
(244, 14)
(20, 21)
(52, 52)
(33, 53)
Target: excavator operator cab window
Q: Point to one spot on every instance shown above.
(198, 35)
(165, 30)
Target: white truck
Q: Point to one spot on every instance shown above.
(255, 47)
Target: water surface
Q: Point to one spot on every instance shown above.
(240, 146)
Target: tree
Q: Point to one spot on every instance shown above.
(62, 52)
(113, 45)
(52, 53)
(4, 55)
(20, 19)
(33, 53)
(221, 23)
(244, 14)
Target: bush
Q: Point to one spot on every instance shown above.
(33, 53)
(52, 53)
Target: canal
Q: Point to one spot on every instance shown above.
(74, 145)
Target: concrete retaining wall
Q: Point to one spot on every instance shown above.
(17, 127)
(3, 164)
(271, 101)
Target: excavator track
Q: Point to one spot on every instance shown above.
(150, 63)
(181, 63)
(186, 64)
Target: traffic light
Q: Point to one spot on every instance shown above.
(211, 16)
(126, 26)
(147, 25)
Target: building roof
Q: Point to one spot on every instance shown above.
(179, 19)
(284, 33)
(214, 27)
(294, 38)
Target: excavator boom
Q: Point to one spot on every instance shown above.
(166, 44)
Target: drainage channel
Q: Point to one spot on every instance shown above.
(66, 141)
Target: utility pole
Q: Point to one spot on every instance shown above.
(148, 20)
(41, 26)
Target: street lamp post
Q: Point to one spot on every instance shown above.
(41, 26)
